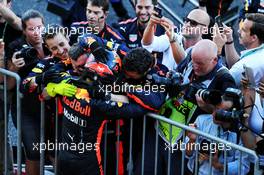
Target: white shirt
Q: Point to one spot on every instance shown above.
(162, 44)
(252, 58)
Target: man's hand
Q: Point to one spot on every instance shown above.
(169, 27)
(63, 88)
(203, 157)
(229, 33)
(2, 48)
(18, 62)
(191, 135)
(49, 76)
(260, 90)
(215, 162)
(154, 20)
(209, 108)
(219, 38)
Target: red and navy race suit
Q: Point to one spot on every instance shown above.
(107, 33)
(83, 123)
(29, 88)
(133, 33)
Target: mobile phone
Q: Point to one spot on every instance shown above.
(218, 21)
(159, 11)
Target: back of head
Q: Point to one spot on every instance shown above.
(138, 60)
(29, 15)
(76, 51)
(258, 25)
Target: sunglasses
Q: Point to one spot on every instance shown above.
(193, 23)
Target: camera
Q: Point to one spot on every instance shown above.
(173, 83)
(213, 97)
(228, 116)
(175, 78)
(236, 96)
(209, 96)
(28, 53)
(191, 90)
(235, 114)
(159, 11)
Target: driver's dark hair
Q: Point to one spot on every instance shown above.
(76, 51)
(138, 60)
(100, 3)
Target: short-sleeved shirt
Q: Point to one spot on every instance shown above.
(205, 124)
(162, 44)
(133, 33)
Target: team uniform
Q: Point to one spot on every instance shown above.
(107, 33)
(30, 88)
(83, 124)
(252, 6)
(133, 33)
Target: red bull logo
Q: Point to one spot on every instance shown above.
(75, 104)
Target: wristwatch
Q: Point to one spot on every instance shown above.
(173, 39)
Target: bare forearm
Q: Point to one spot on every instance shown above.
(177, 51)
(10, 17)
(231, 54)
(148, 35)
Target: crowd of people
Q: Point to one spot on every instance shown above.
(104, 76)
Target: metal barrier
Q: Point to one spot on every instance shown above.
(130, 163)
(6, 73)
(257, 171)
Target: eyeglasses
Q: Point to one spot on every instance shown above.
(193, 23)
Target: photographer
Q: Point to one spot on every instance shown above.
(23, 55)
(202, 70)
(222, 127)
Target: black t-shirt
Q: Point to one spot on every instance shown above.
(34, 107)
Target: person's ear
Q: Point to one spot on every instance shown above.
(254, 37)
(215, 60)
(106, 13)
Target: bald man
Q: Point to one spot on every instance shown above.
(201, 66)
(204, 57)
(172, 44)
(201, 70)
